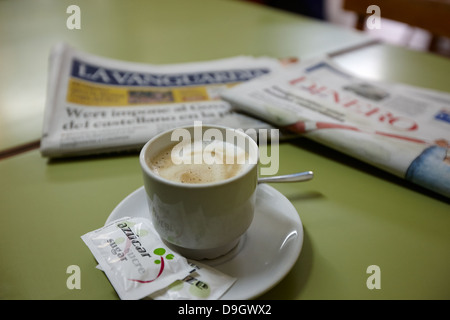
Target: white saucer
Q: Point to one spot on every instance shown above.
(266, 252)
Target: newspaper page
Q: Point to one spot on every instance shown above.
(401, 129)
(99, 105)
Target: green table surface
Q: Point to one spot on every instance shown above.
(353, 215)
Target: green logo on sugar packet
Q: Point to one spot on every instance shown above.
(159, 252)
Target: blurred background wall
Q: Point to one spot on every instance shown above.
(421, 16)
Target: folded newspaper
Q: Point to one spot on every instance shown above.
(402, 129)
(99, 105)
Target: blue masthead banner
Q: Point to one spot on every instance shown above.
(100, 75)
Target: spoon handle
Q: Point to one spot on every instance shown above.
(294, 177)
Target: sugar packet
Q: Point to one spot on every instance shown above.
(203, 283)
(133, 257)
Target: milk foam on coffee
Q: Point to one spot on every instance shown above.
(200, 162)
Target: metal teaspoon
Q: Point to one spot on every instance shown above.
(294, 177)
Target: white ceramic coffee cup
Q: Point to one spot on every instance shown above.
(201, 221)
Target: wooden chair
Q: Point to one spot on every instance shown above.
(431, 15)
